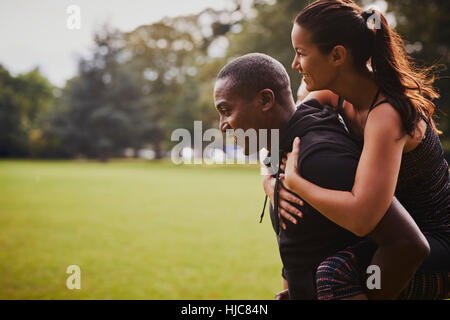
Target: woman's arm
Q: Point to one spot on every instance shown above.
(360, 210)
(323, 96)
(401, 245)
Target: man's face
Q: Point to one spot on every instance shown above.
(234, 111)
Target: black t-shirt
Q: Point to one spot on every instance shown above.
(328, 158)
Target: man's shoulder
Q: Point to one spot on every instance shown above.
(328, 164)
(317, 142)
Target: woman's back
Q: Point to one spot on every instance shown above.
(423, 185)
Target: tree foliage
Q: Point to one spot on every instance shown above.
(24, 99)
(135, 88)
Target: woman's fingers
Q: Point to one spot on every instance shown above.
(296, 146)
(286, 195)
(283, 164)
(290, 209)
(282, 224)
(283, 213)
(285, 209)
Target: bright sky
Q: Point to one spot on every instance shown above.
(34, 33)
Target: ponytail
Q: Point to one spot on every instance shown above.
(408, 89)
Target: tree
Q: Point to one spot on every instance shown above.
(97, 112)
(269, 32)
(23, 100)
(424, 26)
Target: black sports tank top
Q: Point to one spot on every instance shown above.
(423, 185)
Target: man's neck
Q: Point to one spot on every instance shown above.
(281, 116)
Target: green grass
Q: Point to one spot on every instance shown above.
(137, 230)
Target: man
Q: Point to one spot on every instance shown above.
(253, 92)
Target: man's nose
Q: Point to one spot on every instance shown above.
(224, 125)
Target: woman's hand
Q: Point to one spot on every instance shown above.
(290, 166)
(285, 209)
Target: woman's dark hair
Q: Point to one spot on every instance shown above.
(341, 22)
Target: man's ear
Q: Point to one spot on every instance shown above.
(266, 99)
(338, 55)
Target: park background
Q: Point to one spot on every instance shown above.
(85, 171)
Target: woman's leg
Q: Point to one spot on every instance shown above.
(432, 280)
(427, 286)
(396, 246)
(343, 275)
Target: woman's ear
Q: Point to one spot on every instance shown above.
(266, 99)
(337, 55)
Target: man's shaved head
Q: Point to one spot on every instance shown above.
(253, 72)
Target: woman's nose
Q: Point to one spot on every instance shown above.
(296, 65)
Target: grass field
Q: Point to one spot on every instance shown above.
(138, 230)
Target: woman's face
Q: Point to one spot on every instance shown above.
(315, 67)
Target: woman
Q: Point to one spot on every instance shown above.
(386, 105)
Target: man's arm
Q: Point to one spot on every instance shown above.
(402, 249)
(284, 294)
